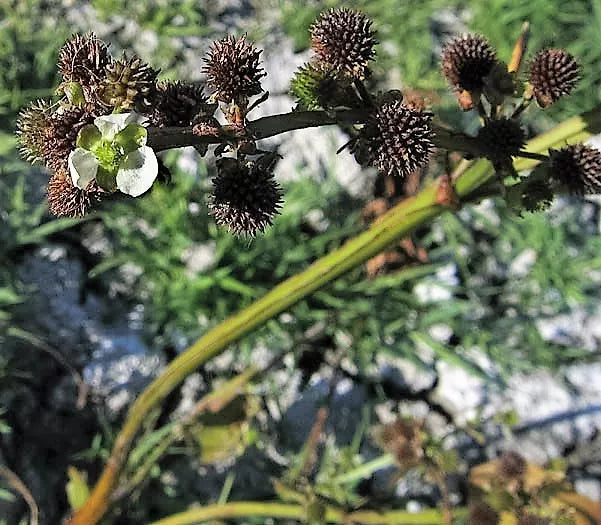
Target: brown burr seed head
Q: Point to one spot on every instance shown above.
(344, 41)
(83, 59)
(578, 168)
(553, 74)
(233, 70)
(179, 104)
(501, 138)
(60, 135)
(66, 200)
(466, 62)
(31, 126)
(246, 197)
(396, 139)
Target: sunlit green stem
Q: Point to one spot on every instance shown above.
(248, 509)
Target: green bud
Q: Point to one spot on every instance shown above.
(74, 93)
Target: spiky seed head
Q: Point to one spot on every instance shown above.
(60, 135)
(233, 71)
(482, 514)
(31, 127)
(316, 86)
(512, 465)
(178, 104)
(246, 197)
(130, 84)
(395, 139)
(578, 168)
(553, 74)
(536, 196)
(83, 59)
(66, 200)
(501, 138)
(344, 41)
(466, 61)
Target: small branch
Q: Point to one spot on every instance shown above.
(161, 139)
(532, 155)
(15, 482)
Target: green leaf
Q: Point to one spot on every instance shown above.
(8, 297)
(77, 488)
(75, 95)
(41, 232)
(448, 355)
(6, 495)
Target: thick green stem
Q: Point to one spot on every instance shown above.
(246, 509)
(395, 224)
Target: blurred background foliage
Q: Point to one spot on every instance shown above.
(470, 278)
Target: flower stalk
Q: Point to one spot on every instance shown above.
(246, 509)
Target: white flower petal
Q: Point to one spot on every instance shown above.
(137, 171)
(83, 166)
(110, 125)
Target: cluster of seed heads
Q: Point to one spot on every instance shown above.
(471, 66)
(395, 135)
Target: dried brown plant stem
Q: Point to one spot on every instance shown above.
(15, 482)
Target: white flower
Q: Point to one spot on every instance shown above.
(113, 151)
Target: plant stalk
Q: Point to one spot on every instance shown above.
(245, 509)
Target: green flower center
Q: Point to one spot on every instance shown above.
(109, 155)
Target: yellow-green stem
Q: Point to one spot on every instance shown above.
(395, 224)
(246, 509)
